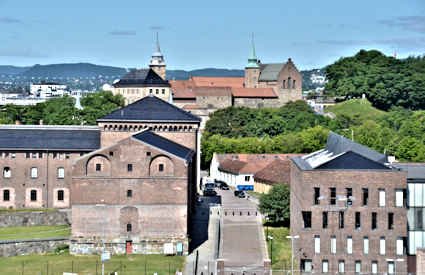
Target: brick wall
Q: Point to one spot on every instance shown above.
(420, 261)
(302, 199)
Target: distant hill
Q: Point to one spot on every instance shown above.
(12, 70)
(307, 83)
(72, 70)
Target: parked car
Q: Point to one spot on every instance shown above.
(222, 185)
(241, 194)
(210, 192)
(237, 193)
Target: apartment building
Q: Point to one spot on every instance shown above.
(348, 211)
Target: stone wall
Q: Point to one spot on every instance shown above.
(254, 102)
(35, 218)
(27, 247)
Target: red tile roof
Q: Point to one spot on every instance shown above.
(254, 92)
(232, 166)
(276, 172)
(212, 91)
(218, 81)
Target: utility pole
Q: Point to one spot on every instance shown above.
(292, 251)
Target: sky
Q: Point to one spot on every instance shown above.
(197, 34)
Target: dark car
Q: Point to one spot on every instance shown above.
(222, 185)
(241, 194)
(209, 192)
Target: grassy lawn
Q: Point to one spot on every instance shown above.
(360, 108)
(84, 265)
(34, 232)
(255, 194)
(281, 247)
(6, 211)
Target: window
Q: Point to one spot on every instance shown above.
(6, 155)
(382, 246)
(13, 155)
(381, 197)
(60, 195)
(67, 155)
(6, 195)
(419, 224)
(98, 167)
(365, 245)
(324, 220)
(33, 195)
(399, 198)
(357, 223)
(34, 155)
(399, 246)
(349, 196)
(333, 195)
(358, 267)
(150, 91)
(374, 217)
(40, 155)
(317, 244)
(34, 172)
(247, 178)
(111, 153)
(365, 196)
(341, 266)
(325, 266)
(129, 167)
(284, 84)
(129, 193)
(161, 167)
(55, 155)
(148, 154)
(157, 91)
(27, 155)
(374, 267)
(307, 219)
(129, 227)
(163, 91)
(306, 265)
(350, 245)
(7, 173)
(293, 84)
(390, 267)
(341, 219)
(333, 244)
(316, 195)
(61, 172)
(390, 221)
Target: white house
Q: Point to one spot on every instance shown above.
(48, 90)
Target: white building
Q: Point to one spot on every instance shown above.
(48, 90)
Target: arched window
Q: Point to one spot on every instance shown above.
(7, 173)
(289, 83)
(293, 84)
(61, 172)
(33, 195)
(284, 84)
(128, 227)
(60, 195)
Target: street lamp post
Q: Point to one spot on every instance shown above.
(395, 263)
(292, 251)
(271, 250)
(267, 228)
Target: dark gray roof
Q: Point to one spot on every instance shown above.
(336, 147)
(414, 170)
(142, 78)
(270, 72)
(165, 144)
(150, 109)
(66, 138)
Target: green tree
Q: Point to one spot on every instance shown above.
(275, 204)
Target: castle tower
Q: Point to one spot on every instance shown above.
(252, 69)
(157, 62)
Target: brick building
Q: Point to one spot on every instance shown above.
(36, 163)
(348, 209)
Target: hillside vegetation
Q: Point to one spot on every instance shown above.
(360, 109)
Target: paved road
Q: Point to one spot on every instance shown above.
(242, 238)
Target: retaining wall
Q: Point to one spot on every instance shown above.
(12, 248)
(62, 217)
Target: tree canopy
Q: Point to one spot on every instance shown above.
(276, 204)
(384, 80)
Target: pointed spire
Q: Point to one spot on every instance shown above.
(158, 49)
(252, 59)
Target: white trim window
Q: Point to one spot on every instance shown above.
(333, 245)
(350, 245)
(365, 245)
(382, 246)
(34, 172)
(399, 246)
(317, 244)
(381, 198)
(374, 267)
(341, 266)
(399, 197)
(325, 265)
(61, 173)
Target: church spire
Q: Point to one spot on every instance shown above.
(157, 62)
(158, 49)
(252, 59)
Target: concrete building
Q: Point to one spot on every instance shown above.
(344, 209)
(48, 90)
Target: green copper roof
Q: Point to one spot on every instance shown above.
(252, 59)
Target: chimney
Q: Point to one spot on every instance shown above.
(40, 122)
(17, 122)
